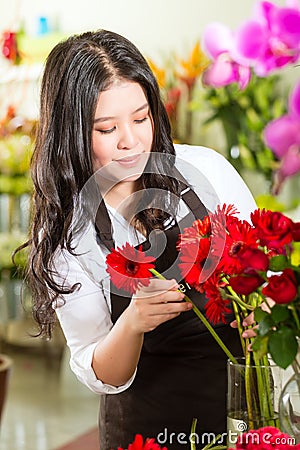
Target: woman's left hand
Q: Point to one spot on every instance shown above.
(248, 321)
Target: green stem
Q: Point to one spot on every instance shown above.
(203, 319)
(233, 296)
(248, 391)
(295, 366)
(240, 302)
(193, 431)
(240, 326)
(295, 315)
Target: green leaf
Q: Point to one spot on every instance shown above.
(259, 315)
(265, 325)
(260, 346)
(279, 313)
(283, 346)
(278, 263)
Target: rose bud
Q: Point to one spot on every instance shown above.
(245, 285)
(274, 228)
(281, 288)
(253, 259)
(296, 231)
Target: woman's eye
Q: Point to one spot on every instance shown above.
(141, 120)
(110, 130)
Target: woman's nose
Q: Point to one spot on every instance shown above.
(127, 139)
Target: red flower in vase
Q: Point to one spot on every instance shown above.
(253, 261)
(218, 305)
(281, 288)
(128, 268)
(274, 229)
(296, 231)
(245, 284)
(196, 262)
(199, 229)
(239, 236)
(139, 444)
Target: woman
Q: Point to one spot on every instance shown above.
(106, 173)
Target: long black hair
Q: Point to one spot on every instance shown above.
(76, 71)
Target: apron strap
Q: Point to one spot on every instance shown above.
(103, 227)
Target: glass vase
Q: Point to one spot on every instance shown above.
(252, 397)
(289, 408)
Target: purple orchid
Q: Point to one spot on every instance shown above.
(282, 135)
(271, 39)
(219, 44)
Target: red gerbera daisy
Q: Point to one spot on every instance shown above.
(223, 212)
(193, 234)
(129, 267)
(239, 235)
(217, 307)
(196, 262)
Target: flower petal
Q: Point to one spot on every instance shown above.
(280, 134)
(244, 76)
(250, 40)
(217, 39)
(294, 102)
(286, 25)
(263, 12)
(290, 164)
(221, 72)
(293, 4)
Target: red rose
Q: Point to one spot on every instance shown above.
(274, 229)
(296, 231)
(245, 284)
(253, 259)
(281, 288)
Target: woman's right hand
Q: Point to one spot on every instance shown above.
(154, 304)
(116, 357)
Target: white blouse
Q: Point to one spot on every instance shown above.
(85, 316)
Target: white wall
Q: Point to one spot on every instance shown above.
(155, 26)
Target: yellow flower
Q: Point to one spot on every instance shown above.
(194, 65)
(160, 74)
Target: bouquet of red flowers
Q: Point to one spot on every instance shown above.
(256, 268)
(247, 266)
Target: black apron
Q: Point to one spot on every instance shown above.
(181, 373)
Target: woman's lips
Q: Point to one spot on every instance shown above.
(129, 161)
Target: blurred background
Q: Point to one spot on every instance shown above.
(44, 406)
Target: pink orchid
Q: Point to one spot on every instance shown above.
(225, 69)
(282, 135)
(271, 39)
